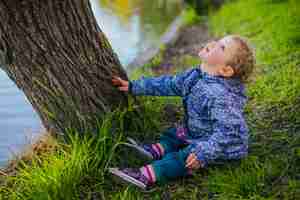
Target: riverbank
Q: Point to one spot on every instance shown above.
(78, 170)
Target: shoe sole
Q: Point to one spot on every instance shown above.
(141, 150)
(127, 178)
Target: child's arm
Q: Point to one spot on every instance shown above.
(229, 138)
(165, 85)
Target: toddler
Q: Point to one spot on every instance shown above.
(213, 129)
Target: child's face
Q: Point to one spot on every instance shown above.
(218, 53)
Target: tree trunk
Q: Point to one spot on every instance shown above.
(57, 55)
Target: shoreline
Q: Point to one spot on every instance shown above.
(170, 35)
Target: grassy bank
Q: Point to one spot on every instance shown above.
(78, 169)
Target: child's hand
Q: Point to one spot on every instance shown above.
(192, 162)
(122, 84)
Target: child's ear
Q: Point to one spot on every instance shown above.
(226, 71)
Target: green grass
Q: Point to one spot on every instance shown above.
(77, 167)
(272, 169)
(63, 173)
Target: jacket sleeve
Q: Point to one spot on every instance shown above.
(165, 85)
(229, 137)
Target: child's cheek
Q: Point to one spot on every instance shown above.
(216, 58)
(212, 60)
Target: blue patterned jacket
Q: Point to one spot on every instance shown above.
(214, 125)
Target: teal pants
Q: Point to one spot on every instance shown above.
(172, 164)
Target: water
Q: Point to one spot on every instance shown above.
(131, 27)
(134, 25)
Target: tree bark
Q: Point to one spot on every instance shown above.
(57, 55)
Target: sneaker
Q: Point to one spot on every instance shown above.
(133, 176)
(145, 149)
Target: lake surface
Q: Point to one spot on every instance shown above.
(131, 27)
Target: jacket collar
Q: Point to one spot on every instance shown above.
(232, 84)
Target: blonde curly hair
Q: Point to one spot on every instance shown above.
(243, 59)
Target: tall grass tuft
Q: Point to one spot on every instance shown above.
(62, 173)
